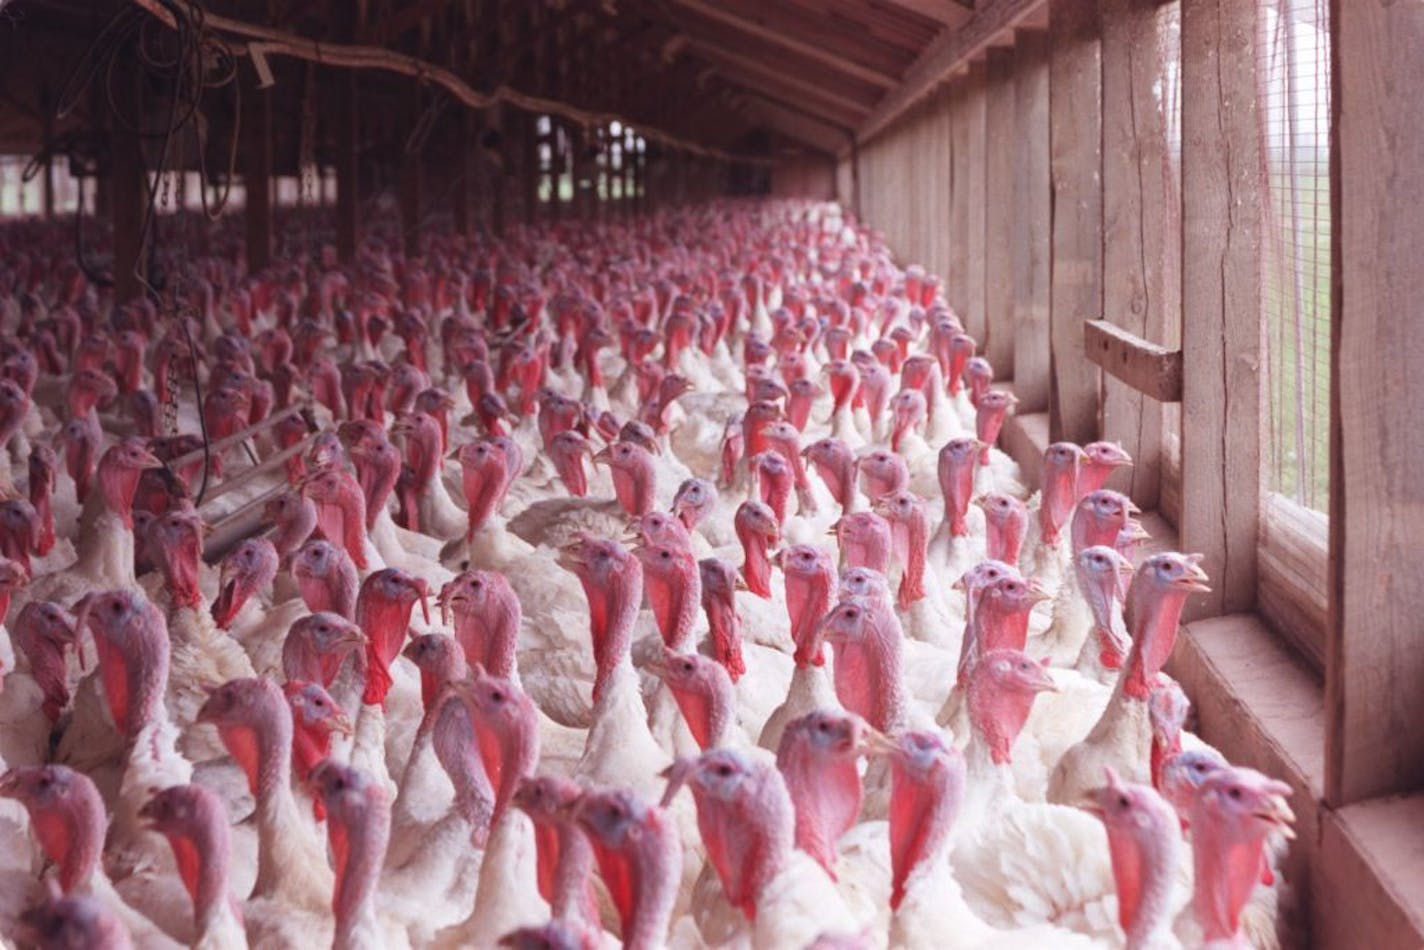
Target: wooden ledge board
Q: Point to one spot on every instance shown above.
(1152, 370)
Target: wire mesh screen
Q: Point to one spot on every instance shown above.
(1295, 115)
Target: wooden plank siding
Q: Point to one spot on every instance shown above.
(1075, 144)
(1000, 146)
(1374, 661)
(957, 279)
(1032, 222)
(1136, 294)
(1223, 198)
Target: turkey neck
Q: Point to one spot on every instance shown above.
(1148, 922)
(811, 599)
(622, 601)
(573, 897)
(276, 807)
(1226, 871)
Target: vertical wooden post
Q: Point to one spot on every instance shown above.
(412, 179)
(129, 197)
(975, 119)
(257, 176)
(630, 201)
(1222, 199)
(1136, 219)
(462, 169)
(1374, 665)
(498, 176)
(957, 278)
(47, 117)
(1075, 140)
(1032, 220)
(529, 167)
(348, 201)
(998, 342)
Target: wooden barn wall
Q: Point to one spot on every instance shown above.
(805, 176)
(1057, 180)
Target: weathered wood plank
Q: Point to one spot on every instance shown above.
(1222, 201)
(961, 185)
(794, 41)
(974, 120)
(1075, 146)
(1032, 220)
(1147, 369)
(1136, 225)
(998, 342)
(1374, 664)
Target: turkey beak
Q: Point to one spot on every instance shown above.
(1042, 682)
(352, 636)
(147, 459)
(1036, 592)
(875, 742)
(10, 784)
(1278, 813)
(739, 583)
(1195, 580)
(341, 723)
(604, 455)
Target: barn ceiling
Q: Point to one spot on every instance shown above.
(718, 72)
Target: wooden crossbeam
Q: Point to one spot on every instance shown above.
(797, 123)
(1152, 370)
(790, 40)
(952, 13)
(720, 56)
(776, 92)
(945, 54)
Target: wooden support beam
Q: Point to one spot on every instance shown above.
(748, 83)
(129, 197)
(950, 50)
(47, 124)
(975, 210)
(1140, 288)
(950, 13)
(529, 167)
(813, 88)
(960, 186)
(1222, 200)
(1146, 368)
(257, 176)
(1374, 666)
(348, 201)
(1032, 221)
(412, 177)
(462, 171)
(799, 125)
(796, 41)
(997, 344)
(1075, 145)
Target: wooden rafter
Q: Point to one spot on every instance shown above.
(721, 56)
(946, 54)
(747, 83)
(791, 41)
(796, 124)
(951, 13)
